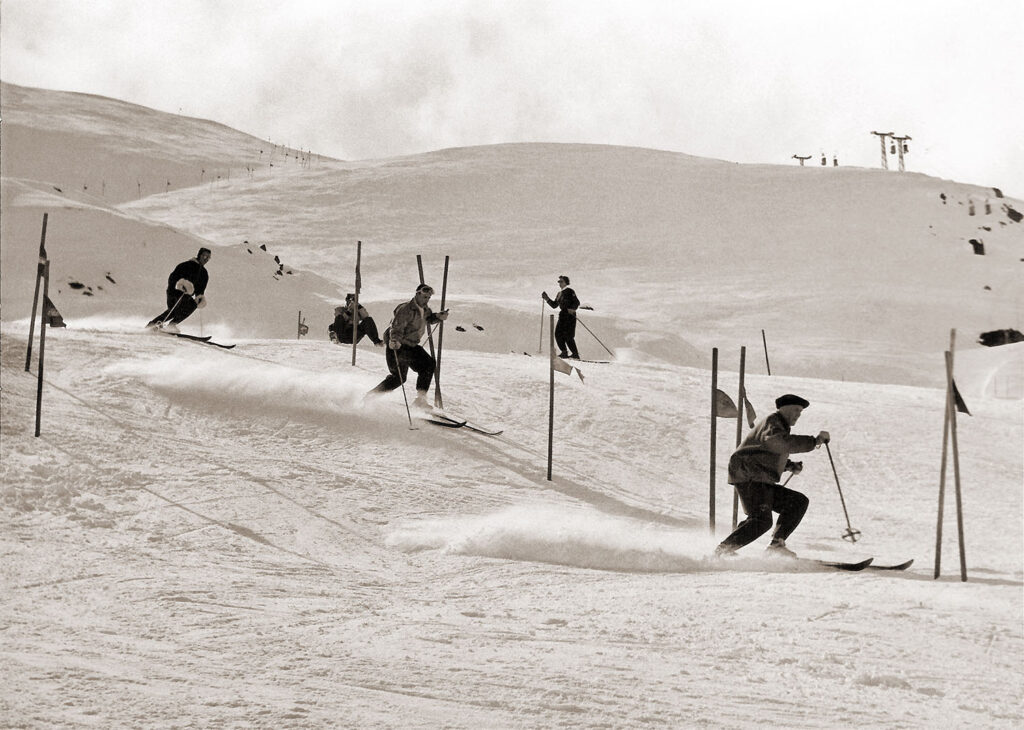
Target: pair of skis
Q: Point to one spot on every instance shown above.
(208, 340)
(867, 564)
(446, 420)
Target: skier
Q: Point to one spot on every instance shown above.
(755, 469)
(341, 329)
(565, 330)
(404, 350)
(186, 291)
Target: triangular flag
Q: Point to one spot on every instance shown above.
(724, 407)
(562, 366)
(960, 405)
(53, 318)
(751, 416)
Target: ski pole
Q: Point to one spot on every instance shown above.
(850, 534)
(401, 382)
(171, 310)
(595, 337)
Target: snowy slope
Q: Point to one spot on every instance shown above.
(203, 537)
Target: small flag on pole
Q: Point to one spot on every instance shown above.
(751, 416)
(960, 405)
(53, 318)
(724, 406)
(562, 366)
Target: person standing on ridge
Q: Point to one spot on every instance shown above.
(186, 292)
(755, 469)
(341, 329)
(567, 303)
(404, 350)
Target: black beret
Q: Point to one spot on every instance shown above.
(790, 400)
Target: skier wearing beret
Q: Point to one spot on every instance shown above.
(755, 469)
(566, 302)
(186, 291)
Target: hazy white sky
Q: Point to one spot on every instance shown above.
(748, 81)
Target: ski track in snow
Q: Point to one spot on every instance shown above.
(230, 538)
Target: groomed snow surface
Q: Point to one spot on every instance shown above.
(208, 538)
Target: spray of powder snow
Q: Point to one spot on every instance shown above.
(579, 537)
(232, 384)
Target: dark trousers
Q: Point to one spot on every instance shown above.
(365, 328)
(399, 361)
(565, 334)
(759, 500)
(179, 306)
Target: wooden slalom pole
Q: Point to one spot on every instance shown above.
(430, 335)
(355, 311)
(942, 467)
(551, 392)
(740, 403)
(438, 401)
(714, 437)
(764, 341)
(42, 347)
(35, 296)
(956, 466)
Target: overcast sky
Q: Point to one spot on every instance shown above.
(749, 81)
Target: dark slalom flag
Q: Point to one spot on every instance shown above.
(53, 318)
(724, 406)
(960, 405)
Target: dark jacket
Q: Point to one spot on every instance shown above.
(566, 301)
(764, 453)
(190, 270)
(343, 321)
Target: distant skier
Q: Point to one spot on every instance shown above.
(755, 469)
(341, 329)
(186, 291)
(565, 329)
(404, 350)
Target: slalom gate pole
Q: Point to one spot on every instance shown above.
(764, 341)
(956, 465)
(355, 313)
(42, 348)
(35, 296)
(739, 433)
(430, 335)
(850, 534)
(551, 392)
(540, 342)
(714, 437)
(438, 401)
(942, 467)
(595, 337)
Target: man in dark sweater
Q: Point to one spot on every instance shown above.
(755, 469)
(567, 303)
(186, 291)
(340, 330)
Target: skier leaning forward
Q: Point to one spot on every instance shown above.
(755, 469)
(404, 350)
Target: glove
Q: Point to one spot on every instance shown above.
(185, 285)
(796, 467)
(822, 437)
(395, 344)
(544, 296)
(200, 301)
(442, 315)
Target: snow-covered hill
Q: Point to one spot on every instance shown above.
(203, 537)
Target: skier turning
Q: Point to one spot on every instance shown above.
(567, 303)
(755, 469)
(186, 291)
(404, 350)
(341, 329)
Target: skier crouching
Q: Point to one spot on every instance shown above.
(186, 291)
(755, 469)
(404, 350)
